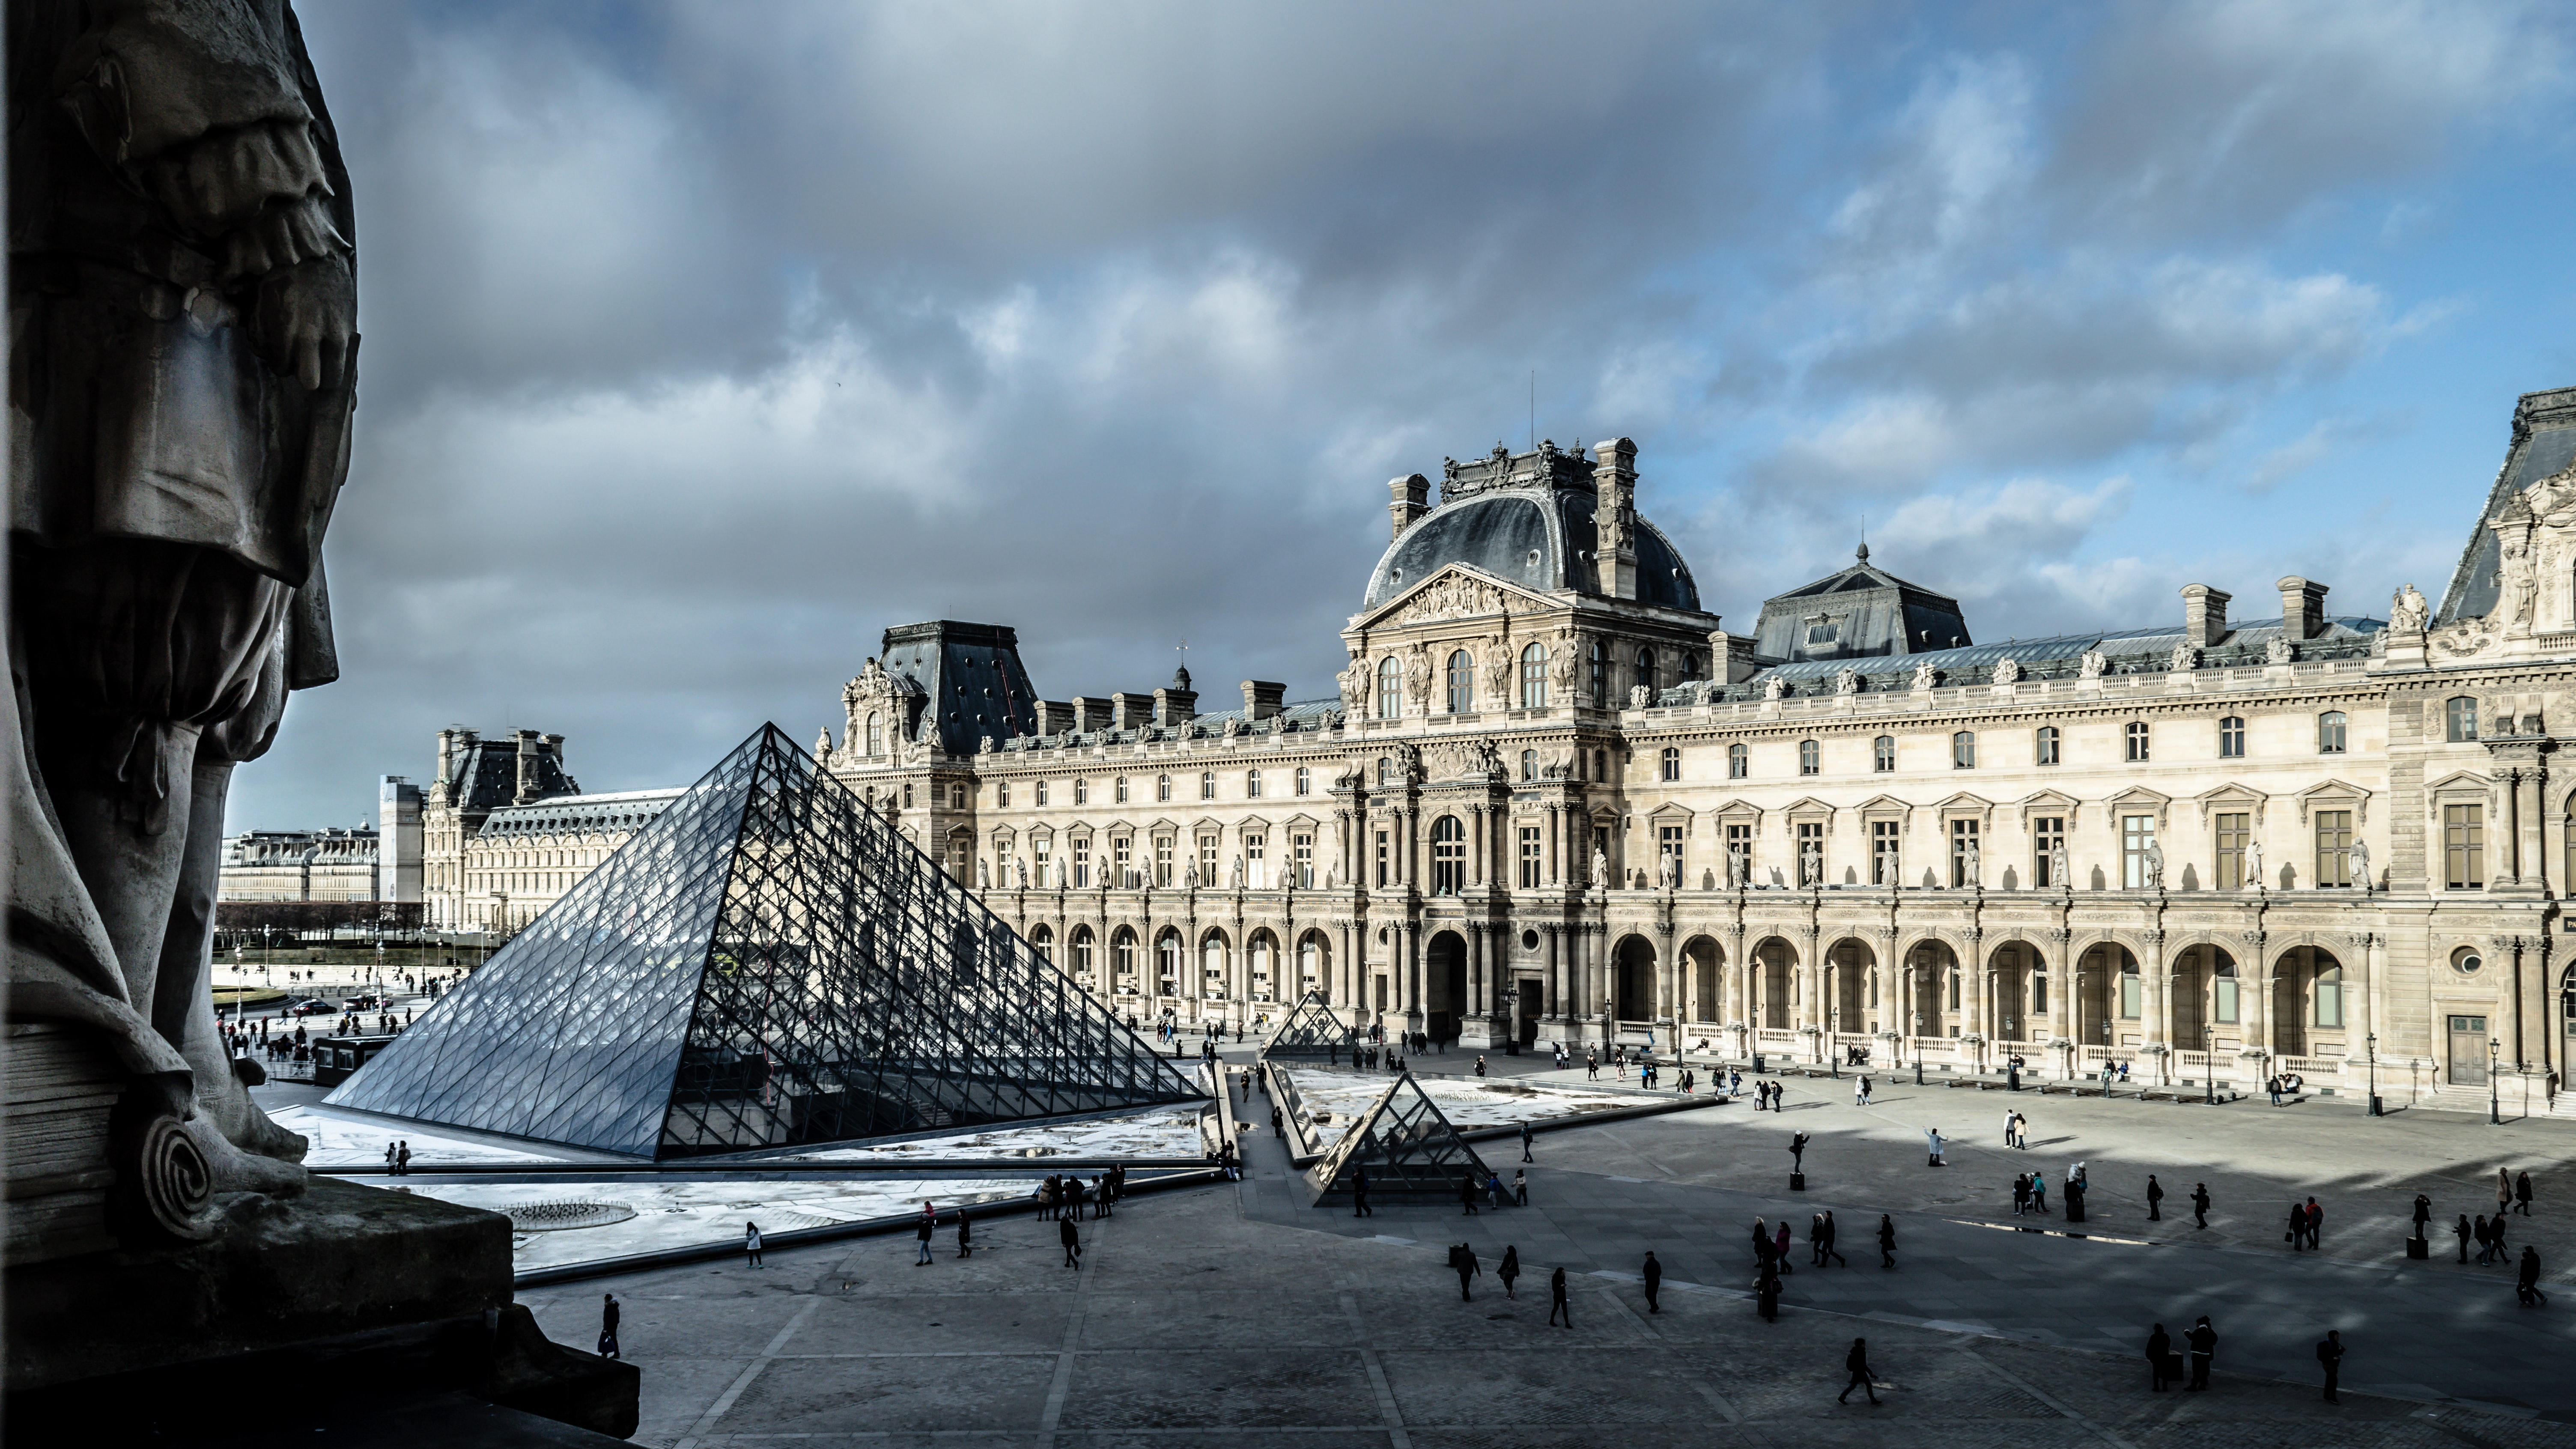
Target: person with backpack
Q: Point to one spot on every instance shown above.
(2526, 1284)
(1857, 1364)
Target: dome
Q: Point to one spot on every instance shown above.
(1537, 538)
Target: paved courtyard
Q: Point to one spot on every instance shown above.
(1234, 1314)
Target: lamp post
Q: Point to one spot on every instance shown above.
(1833, 1048)
(2495, 1103)
(1918, 1048)
(2209, 1065)
(2370, 1045)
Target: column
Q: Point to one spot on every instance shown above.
(2255, 981)
(1476, 993)
(1476, 844)
(1412, 942)
(1554, 1006)
(1668, 981)
(1739, 987)
(1553, 848)
(1597, 951)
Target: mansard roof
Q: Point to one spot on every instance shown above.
(2544, 441)
(1871, 613)
(1528, 519)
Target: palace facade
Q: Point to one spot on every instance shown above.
(503, 831)
(1553, 799)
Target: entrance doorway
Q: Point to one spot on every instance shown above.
(1527, 997)
(2468, 1051)
(1444, 970)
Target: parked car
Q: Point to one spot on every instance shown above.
(310, 1006)
(369, 1002)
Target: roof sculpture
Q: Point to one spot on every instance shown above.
(767, 964)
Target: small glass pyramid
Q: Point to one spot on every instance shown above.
(768, 964)
(1407, 1147)
(1312, 1033)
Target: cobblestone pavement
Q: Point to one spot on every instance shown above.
(1238, 1315)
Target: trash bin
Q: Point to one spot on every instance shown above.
(1797, 1182)
(2418, 1249)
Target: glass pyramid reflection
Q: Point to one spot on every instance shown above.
(1407, 1147)
(767, 964)
(1313, 1033)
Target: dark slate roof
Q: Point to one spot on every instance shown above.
(623, 810)
(485, 775)
(971, 677)
(1303, 717)
(1540, 538)
(1880, 614)
(2544, 441)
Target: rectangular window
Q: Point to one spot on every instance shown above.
(1739, 847)
(1038, 866)
(1382, 858)
(1810, 757)
(1304, 848)
(2233, 832)
(1122, 862)
(2329, 1001)
(2464, 847)
(2334, 848)
(2137, 832)
(1253, 848)
(1305, 780)
(1811, 852)
(1082, 792)
(1668, 852)
(1081, 863)
(2132, 997)
(1530, 857)
(1738, 761)
(1963, 750)
(1963, 838)
(2038, 995)
(1122, 789)
(2046, 749)
(2231, 738)
(2460, 720)
(1207, 863)
(2225, 1005)
(1885, 863)
(1041, 793)
(1002, 795)
(1163, 861)
(2047, 837)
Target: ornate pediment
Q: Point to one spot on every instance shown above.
(2139, 797)
(1458, 591)
(2233, 797)
(2336, 795)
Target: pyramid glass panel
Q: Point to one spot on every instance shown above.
(768, 964)
(1313, 1033)
(1407, 1147)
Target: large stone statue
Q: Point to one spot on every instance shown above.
(2061, 872)
(2154, 864)
(181, 386)
(2360, 857)
(2253, 865)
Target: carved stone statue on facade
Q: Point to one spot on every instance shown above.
(1600, 870)
(1355, 687)
(2278, 651)
(983, 873)
(1190, 877)
(1234, 874)
(1498, 675)
(1811, 864)
(1560, 669)
(2060, 870)
(182, 375)
(1774, 687)
(1736, 868)
(2184, 657)
(823, 747)
(1233, 726)
(2254, 865)
(2360, 859)
(1925, 676)
(1639, 696)
(2092, 665)
(1972, 864)
(1417, 681)
(2408, 611)
(1020, 871)
(2153, 864)
(2007, 671)
(2520, 590)
(1847, 681)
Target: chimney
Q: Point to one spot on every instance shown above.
(1614, 481)
(1177, 705)
(2303, 608)
(1261, 699)
(1092, 713)
(2204, 615)
(1053, 716)
(446, 755)
(527, 765)
(1129, 710)
(1412, 499)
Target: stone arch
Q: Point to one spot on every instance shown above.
(1932, 980)
(1171, 963)
(1124, 965)
(1263, 969)
(2018, 987)
(1851, 986)
(1214, 980)
(1444, 984)
(2308, 1001)
(1042, 941)
(2108, 983)
(1314, 966)
(1632, 979)
(2207, 1007)
(1772, 972)
(1082, 949)
(1703, 967)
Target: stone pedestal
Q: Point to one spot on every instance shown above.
(1485, 1033)
(385, 1292)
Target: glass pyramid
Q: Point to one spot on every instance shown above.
(1312, 1033)
(768, 964)
(1407, 1147)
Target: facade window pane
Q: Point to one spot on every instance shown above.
(1738, 762)
(1600, 676)
(1207, 863)
(1811, 757)
(1668, 853)
(1081, 863)
(1529, 764)
(1122, 862)
(1534, 677)
(1529, 842)
(1163, 860)
(1305, 780)
(2231, 738)
(1886, 866)
(1963, 750)
(1882, 753)
(2330, 996)
(1811, 852)
(1255, 847)
(2233, 833)
(2334, 848)
(1002, 795)
(2137, 832)
(2046, 748)
(1383, 859)
(1162, 787)
(1739, 850)
(1963, 838)
(2330, 732)
(1041, 793)
(2137, 738)
(2459, 721)
(1252, 784)
(1672, 763)
(1303, 848)
(2047, 837)
(1462, 682)
(1390, 688)
(2132, 994)
(1207, 784)
(1082, 792)
(2464, 847)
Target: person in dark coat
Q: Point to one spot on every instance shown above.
(1886, 1241)
(1510, 1270)
(1798, 1152)
(1463, 1259)
(965, 1235)
(2316, 1221)
(1071, 1236)
(1766, 1296)
(2204, 1347)
(1467, 1197)
(1557, 1302)
(2298, 1235)
(751, 1246)
(2159, 1358)
(2522, 1193)
(2463, 1230)
(1359, 1196)
(2330, 1358)
(1654, 1272)
(2200, 1204)
(1831, 1232)
(2423, 1213)
(2155, 1200)
(1525, 1143)
(1857, 1362)
(608, 1327)
(2526, 1283)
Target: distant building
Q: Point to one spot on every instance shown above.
(398, 818)
(504, 831)
(301, 865)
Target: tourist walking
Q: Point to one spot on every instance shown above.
(1591, 1064)
(1359, 1196)
(2155, 1200)
(2021, 1132)
(2316, 1220)
(1467, 1198)
(2161, 1363)
(1525, 1142)
(1278, 1124)
(1932, 1136)
(2200, 1204)
(928, 1222)
(1816, 1240)
(2526, 1283)
(2495, 1239)
(2204, 1347)
(2298, 1234)
(1071, 1236)
(2008, 1127)
(1654, 1275)
(2522, 1193)
(1857, 1362)
(402, 1159)
(2039, 1193)
(2463, 1230)
(965, 1235)
(1510, 1269)
(2504, 1192)
(2021, 1193)
(1860, 1091)
(1886, 1241)
(1557, 1302)
(2330, 1358)
(1831, 1232)
(751, 1246)
(1520, 1187)
(608, 1316)
(1462, 1259)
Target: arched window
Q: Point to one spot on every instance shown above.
(2330, 732)
(1963, 750)
(1082, 941)
(1162, 787)
(1672, 763)
(1529, 769)
(2136, 734)
(2044, 746)
(1882, 753)
(1462, 682)
(1212, 967)
(1122, 790)
(1305, 780)
(1811, 758)
(1390, 688)
(2459, 721)
(1310, 966)
(1448, 857)
(2330, 995)
(1534, 677)
(2231, 738)
(1252, 784)
(1646, 667)
(1207, 784)
(876, 734)
(1042, 941)
(1739, 762)
(1600, 675)
(1122, 954)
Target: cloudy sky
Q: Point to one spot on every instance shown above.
(704, 342)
